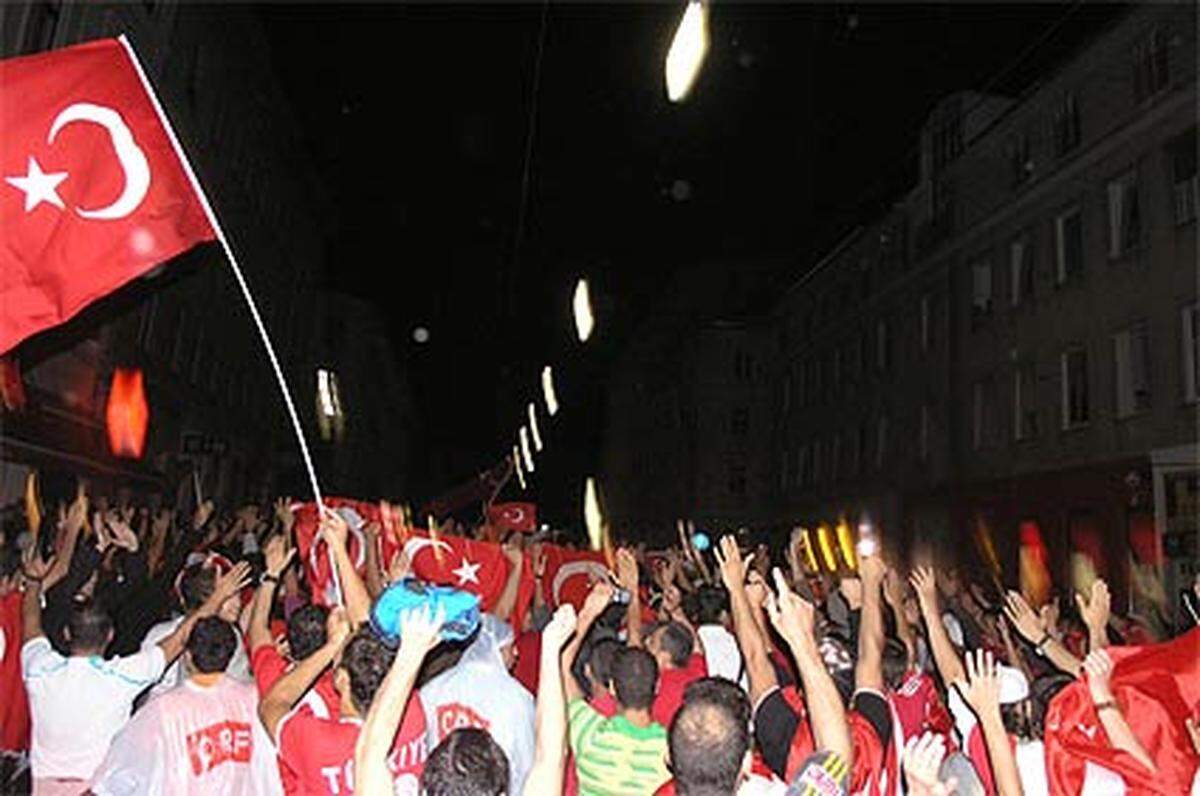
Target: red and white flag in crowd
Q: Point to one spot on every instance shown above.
(92, 191)
(1157, 687)
(478, 567)
(569, 574)
(513, 517)
(313, 552)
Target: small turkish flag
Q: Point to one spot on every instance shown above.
(513, 516)
(478, 567)
(92, 192)
(312, 551)
(570, 574)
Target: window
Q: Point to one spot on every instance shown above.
(1025, 415)
(881, 436)
(1020, 270)
(883, 349)
(923, 433)
(926, 322)
(737, 479)
(1067, 133)
(1191, 352)
(1131, 360)
(740, 424)
(1020, 160)
(1075, 407)
(1151, 71)
(1068, 245)
(1124, 214)
(981, 288)
(1185, 193)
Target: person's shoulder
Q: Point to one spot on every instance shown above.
(39, 658)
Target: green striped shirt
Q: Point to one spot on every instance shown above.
(612, 756)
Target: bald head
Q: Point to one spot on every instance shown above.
(709, 738)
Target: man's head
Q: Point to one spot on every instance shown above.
(634, 678)
(710, 739)
(211, 645)
(895, 664)
(466, 763)
(306, 630)
(196, 585)
(89, 628)
(364, 663)
(598, 667)
(671, 645)
(707, 606)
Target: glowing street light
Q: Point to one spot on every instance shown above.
(582, 305)
(526, 456)
(516, 456)
(688, 49)
(593, 516)
(548, 394)
(533, 428)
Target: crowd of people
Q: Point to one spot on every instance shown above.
(150, 651)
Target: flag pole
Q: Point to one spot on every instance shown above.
(245, 288)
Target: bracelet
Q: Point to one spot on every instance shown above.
(1041, 644)
(1108, 704)
(267, 577)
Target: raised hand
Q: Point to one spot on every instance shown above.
(334, 529)
(597, 600)
(627, 569)
(982, 689)
(893, 589)
(924, 583)
(792, 615)
(513, 553)
(872, 569)
(1027, 623)
(33, 566)
(731, 564)
(226, 586)
(283, 513)
(1099, 668)
(78, 512)
(277, 554)
(202, 514)
(561, 627)
(1095, 611)
(120, 534)
(420, 630)
(337, 627)
(922, 762)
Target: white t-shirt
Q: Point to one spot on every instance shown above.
(78, 704)
(239, 665)
(193, 740)
(722, 657)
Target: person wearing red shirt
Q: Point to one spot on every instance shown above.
(14, 704)
(678, 665)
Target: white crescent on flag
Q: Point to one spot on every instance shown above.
(416, 544)
(515, 515)
(573, 568)
(131, 157)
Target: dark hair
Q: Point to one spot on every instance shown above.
(895, 663)
(367, 660)
(90, 626)
(466, 763)
(634, 676)
(709, 737)
(706, 604)
(196, 585)
(10, 560)
(306, 630)
(211, 644)
(676, 641)
(600, 659)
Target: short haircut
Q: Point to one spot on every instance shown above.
(306, 630)
(676, 641)
(196, 585)
(634, 677)
(706, 605)
(466, 763)
(211, 644)
(600, 659)
(895, 663)
(90, 626)
(709, 737)
(367, 660)
(10, 560)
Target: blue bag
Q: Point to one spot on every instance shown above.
(460, 608)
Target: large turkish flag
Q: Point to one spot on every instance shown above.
(92, 193)
(570, 574)
(478, 567)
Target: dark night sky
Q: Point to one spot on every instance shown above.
(802, 123)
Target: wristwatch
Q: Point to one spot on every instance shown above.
(267, 577)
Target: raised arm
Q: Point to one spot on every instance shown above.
(627, 577)
(336, 532)
(1099, 668)
(793, 617)
(949, 666)
(893, 594)
(759, 671)
(868, 671)
(512, 584)
(374, 566)
(982, 692)
(597, 600)
(546, 775)
(1031, 629)
(1095, 612)
(418, 635)
(277, 554)
(288, 689)
(226, 586)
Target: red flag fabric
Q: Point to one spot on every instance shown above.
(93, 193)
(513, 516)
(478, 567)
(569, 574)
(313, 553)
(1156, 687)
(14, 705)
(12, 388)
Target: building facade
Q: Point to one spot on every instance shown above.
(215, 407)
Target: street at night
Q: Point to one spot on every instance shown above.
(696, 397)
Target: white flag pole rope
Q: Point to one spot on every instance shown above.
(241, 280)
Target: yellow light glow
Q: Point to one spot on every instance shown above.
(582, 305)
(526, 455)
(826, 548)
(810, 558)
(533, 428)
(548, 393)
(846, 543)
(687, 52)
(516, 455)
(593, 518)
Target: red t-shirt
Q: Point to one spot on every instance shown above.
(919, 708)
(268, 666)
(14, 704)
(320, 752)
(671, 684)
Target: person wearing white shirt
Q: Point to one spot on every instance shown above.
(78, 702)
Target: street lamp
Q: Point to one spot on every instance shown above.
(548, 393)
(582, 306)
(688, 49)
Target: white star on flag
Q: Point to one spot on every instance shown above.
(467, 572)
(39, 186)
